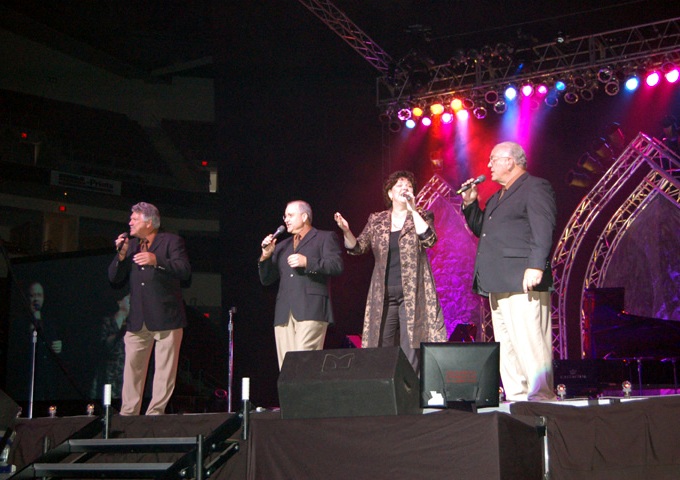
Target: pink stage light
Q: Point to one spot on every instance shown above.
(462, 115)
(542, 89)
(427, 121)
(672, 75)
(527, 90)
(447, 118)
(653, 79)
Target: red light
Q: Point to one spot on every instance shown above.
(653, 79)
(672, 75)
(24, 135)
(204, 163)
(206, 315)
(62, 208)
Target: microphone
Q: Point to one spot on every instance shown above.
(279, 231)
(467, 187)
(120, 247)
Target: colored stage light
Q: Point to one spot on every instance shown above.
(447, 118)
(560, 86)
(479, 113)
(410, 123)
(510, 93)
(417, 112)
(427, 121)
(632, 84)
(404, 114)
(542, 89)
(456, 104)
(527, 90)
(437, 108)
(462, 115)
(653, 79)
(672, 75)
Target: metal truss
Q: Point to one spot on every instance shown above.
(650, 44)
(640, 152)
(662, 180)
(350, 33)
(436, 188)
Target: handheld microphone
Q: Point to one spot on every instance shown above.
(279, 231)
(125, 236)
(467, 187)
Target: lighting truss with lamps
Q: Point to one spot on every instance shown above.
(594, 56)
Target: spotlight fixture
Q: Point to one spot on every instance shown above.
(670, 72)
(417, 112)
(542, 89)
(468, 103)
(560, 85)
(463, 115)
(552, 100)
(588, 94)
(632, 83)
(437, 108)
(605, 75)
(615, 136)
(602, 149)
(612, 87)
(447, 117)
(394, 126)
(500, 107)
(491, 97)
(427, 121)
(577, 179)
(410, 123)
(571, 96)
(510, 93)
(579, 81)
(404, 114)
(456, 104)
(653, 79)
(479, 113)
(587, 162)
(527, 89)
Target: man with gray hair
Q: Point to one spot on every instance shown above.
(302, 264)
(512, 268)
(154, 263)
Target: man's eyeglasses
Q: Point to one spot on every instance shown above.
(493, 160)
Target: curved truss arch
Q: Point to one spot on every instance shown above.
(642, 151)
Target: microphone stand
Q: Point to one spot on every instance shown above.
(230, 386)
(31, 391)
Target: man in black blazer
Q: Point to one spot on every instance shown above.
(154, 264)
(303, 264)
(512, 268)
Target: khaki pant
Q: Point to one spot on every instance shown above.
(297, 335)
(138, 346)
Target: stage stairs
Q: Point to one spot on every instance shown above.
(77, 456)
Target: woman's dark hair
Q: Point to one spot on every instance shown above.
(392, 180)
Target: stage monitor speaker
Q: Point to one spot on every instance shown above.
(9, 410)
(348, 383)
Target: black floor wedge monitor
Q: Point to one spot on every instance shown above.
(459, 375)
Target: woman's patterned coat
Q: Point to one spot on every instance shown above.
(425, 319)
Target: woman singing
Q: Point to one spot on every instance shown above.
(402, 306)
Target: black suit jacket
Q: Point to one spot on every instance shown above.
(304, 291)
(515, 233)
(155, 292)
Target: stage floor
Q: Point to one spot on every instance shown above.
(613, 437)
